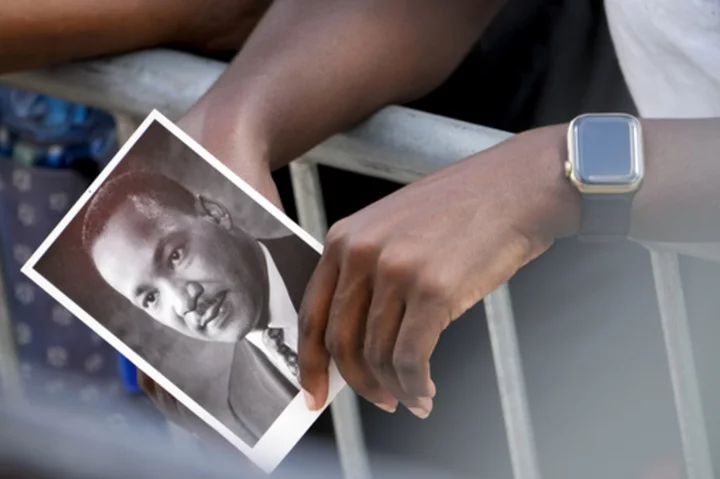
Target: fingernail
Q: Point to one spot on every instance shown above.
(419, 412)
(310, 401)
(423, 408)
(386, 407)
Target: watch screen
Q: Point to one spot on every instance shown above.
(605, 149)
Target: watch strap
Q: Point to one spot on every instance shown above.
(605, 217)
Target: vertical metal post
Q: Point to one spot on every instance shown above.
(9, 364)
(308, 198)
(678, 343)
(508, 369)
(125, 126)
(345, 411)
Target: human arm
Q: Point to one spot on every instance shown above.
(680, 198)
(399, 272)
(313, 68)
(43, 32)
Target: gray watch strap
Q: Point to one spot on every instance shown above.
(605, 217)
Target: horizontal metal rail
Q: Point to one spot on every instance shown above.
(398, 143)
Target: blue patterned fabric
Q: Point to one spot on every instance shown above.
(43, 131)
(49, 152)
(48, 337)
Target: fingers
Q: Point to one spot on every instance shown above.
(419, 333)
(146, 384)
(376, 318)
(344, 338)
(313, 357)
(384, 325)
(163, 400)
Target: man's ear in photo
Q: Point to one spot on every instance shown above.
(213, 211)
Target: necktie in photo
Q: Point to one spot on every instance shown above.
(275, 337)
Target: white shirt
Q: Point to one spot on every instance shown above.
(669, 52)
(282, 316)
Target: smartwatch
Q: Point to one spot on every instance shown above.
(605, 163)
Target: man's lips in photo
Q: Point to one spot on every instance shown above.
(216, 312)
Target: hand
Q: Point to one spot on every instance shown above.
(396, 274)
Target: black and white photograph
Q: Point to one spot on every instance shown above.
(197, 279)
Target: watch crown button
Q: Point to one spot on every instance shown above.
(568, 169)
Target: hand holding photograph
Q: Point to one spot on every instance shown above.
(197, 279)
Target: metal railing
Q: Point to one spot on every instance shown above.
(401, 145)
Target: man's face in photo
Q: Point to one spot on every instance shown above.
(192, 272)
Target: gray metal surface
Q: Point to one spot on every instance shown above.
(404, 145)
(345, 412)
(681, 359)
(307, 192)
(133, 84)
(511, 383)
(397, 143)
(9, 365)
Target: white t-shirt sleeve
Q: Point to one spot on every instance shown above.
(669, 54)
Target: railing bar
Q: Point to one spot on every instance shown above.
(678, 344)
(345, 411)
(511, 383)
(10, 376)
(308, 198)
(396, 143)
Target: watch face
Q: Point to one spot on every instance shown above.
(606, 152)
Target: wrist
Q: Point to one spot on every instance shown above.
(232, 142)
(231, 136)
(560, 206)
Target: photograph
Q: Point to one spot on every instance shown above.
(198, 280)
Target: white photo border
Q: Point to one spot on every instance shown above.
(296, 419)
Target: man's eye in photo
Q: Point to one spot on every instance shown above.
(149, 300)
(175, 256)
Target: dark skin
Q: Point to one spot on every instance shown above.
(45, 32)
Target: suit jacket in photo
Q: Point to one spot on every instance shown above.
(258, 392)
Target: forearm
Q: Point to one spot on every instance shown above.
(679, 201)
(46, 31)
(42, 32)
(313, 68)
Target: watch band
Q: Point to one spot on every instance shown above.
(605, 217)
